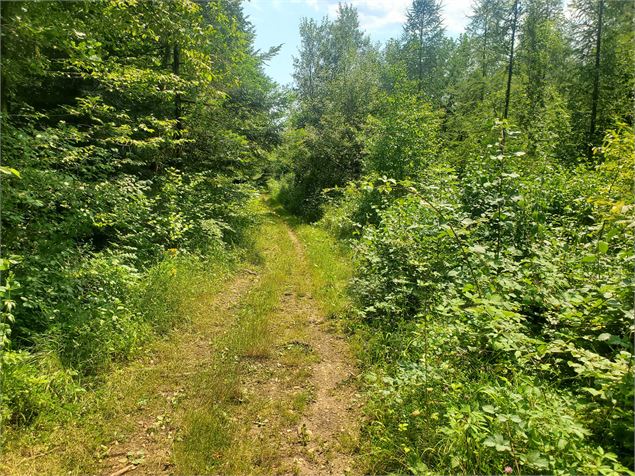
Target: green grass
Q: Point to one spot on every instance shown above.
(72, 436)
(330, 268)
(219, 390)
(250, 337)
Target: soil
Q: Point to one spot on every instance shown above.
(318, 438)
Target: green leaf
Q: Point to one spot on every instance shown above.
(589, 259)
(603, 246)
(9, 171)
(534, 459)
(497, 441)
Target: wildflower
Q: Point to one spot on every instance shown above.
(508, 470)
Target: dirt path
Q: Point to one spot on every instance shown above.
(295, 409)
(300, 413)
(259, 381)
(330, 425)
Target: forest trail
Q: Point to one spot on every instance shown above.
(293, 407)
(330, 423)
(260, 381)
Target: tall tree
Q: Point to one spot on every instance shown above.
(603, 35)
(488, 29)
(423, 35)
(595, 95)
(336, 76)
(510, 63)
(542, 62)
(308, 68)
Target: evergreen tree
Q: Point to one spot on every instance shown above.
(423, 36)
(602, 35)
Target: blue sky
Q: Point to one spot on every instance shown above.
(277, 21)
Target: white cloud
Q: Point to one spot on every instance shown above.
(280, 4)
(376, 14)
(455, 14)
(379, 14)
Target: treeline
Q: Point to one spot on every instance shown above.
(132, 136)
(484, 184)
(561, 80)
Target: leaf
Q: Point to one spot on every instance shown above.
(603, 246)
(478, 249)
(589, 259)
(497, 441)
(9, 171)
(604, 336)
(534, 459)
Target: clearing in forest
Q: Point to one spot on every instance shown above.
(260, 381)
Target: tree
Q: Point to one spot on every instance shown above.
(488, 29)
(510, 67)
(542, 65)
(603, 36)
(423, 34)
(336, 76)
(308, 67)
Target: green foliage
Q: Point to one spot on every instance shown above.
(131, 134)
(328, 158)
(336, 74)
(498, 315)
(403, 139)
(423, 37)
(493, 273)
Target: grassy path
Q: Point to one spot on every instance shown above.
(260, 382)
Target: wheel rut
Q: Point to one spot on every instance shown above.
(328, 431)
(146, 449)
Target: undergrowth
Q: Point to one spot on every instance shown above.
(493, 309)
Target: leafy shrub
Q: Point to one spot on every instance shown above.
(402, 138)
(32, 384)
(500, 319)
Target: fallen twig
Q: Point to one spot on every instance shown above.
(124, 470)
(39, 454)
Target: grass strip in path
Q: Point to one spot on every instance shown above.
(297, 410)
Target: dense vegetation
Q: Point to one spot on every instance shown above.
(132, 134)
(484, 184)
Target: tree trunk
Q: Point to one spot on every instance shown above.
(484, 61)
(5, 12)
(420, 59)
(176, 66)
(510, 68)
(596, 83)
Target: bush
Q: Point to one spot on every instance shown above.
(499, 319)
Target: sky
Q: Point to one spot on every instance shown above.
(277, 21)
